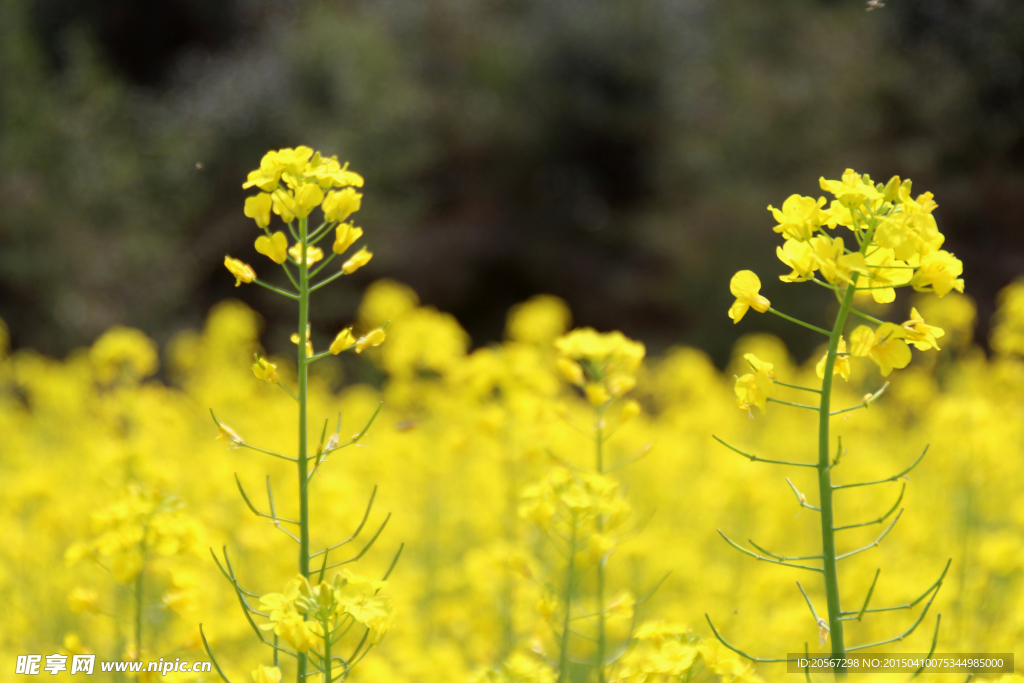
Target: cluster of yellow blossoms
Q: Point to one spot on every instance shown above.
(314, 617)
(128, 530)
(903, 241)
(603, 365)
(568, 503)
(897, 244)
(293, 183)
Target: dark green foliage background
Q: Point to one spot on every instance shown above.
(619, 154)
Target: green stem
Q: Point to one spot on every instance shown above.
(327, 645)
(563, 659)
(303, 370)
(828, 540)
(601, 635)
(139, 587)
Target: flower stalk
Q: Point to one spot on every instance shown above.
(313, 615)
(898, 246)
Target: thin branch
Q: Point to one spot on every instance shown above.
(366, 515)
(391, 568)
(869, 318)
(777, 556)
(741, 653)
(754, 458)
(366, 547)
(766, 559)
(355, 438)
(317, 356)
(814, 613)
(264, 450)
(801, 498)
(220, 672)
(630, 461)
(800, 322)
(253, 508)
(287, 390)
(903, 635)
(242, 444)
(824, 284)
(875, 542)
(935, 641)
(794, 405)
(319, 233)
(323, 568)
(365, 429)
(270, 498)
(326, 281)
(246, 607)
(863, 404)
(867, 598)
(880, 519)
(230, 577)
(288, 272)
(797, 386)
(321, 266)
(651, 592)
(278, 290)
(846, 616)
(894, 477)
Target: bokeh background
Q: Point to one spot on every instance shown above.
(617, 154)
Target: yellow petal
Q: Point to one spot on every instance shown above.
(345, 236)
(358, 260)
(343, 341)
(274, 247)
(374, 338)
(258, 208)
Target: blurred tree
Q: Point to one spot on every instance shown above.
(618, 154)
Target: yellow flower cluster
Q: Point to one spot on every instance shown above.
(896, 243)
(569, 503)
(665, 652)
(292, 183)
(138, 525)
(603, 365)
(311, 618)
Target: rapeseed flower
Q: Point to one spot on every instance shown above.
(242, 271)
(799, 218)
(357, 261)
(258, 208)
(265, 370)
(746, 287)
(603, 365)
(313, 254)
(274, 247)
(919, 334)
(345, 237)
(939, 272)
(342, 341)
(755, 388)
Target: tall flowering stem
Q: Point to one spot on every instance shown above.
(584, 509)
(312, 616)
(898, 245)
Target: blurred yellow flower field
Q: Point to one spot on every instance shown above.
(460, 437)
(556, 503)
